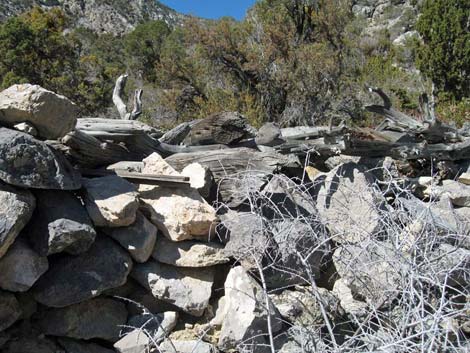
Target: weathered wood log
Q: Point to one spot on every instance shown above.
(87, 150)
(119, 103)
(116, 130)
(431, 129)
(177, 135)
(223, 128)
(234, 169)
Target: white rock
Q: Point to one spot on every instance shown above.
(180, 214)
(464, 178)
(245, 311)
(155, 164)
(111, 201)
(194, 346)
(458, 193)
(51, 114)
(136, 341)
(199, 177)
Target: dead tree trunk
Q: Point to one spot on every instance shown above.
(119, 102)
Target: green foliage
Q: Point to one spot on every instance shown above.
(444, 55)
(143, 47)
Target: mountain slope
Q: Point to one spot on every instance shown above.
(102, 16)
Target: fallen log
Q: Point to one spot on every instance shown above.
(223, 128)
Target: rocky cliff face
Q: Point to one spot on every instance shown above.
(102, 16)
(395, 16)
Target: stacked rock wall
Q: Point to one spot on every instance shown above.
(359, 256)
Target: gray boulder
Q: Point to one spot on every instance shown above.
(189, 253)
(139, 238)
(269, 135)
(187, 288)
(451, 265)
(372, 270)
(10, 310)
(21, 267)
(16, 209)
(96, 318)
(30, 163)
(111, 201)
(51, 114)
(349, 205)
(71, 280)
(245, 315)
(60, 223)
(76, 346)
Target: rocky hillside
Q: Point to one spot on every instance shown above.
(397, 17)
(109, 16)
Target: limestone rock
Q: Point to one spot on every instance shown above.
(60, 223)
(349, 205)
(302, 308)
(464, 178)
(372, 270)
(71, 280)
(10, 310)
(51, 114)
(242, 230)
(16, 209)
(200, 178)
(269, 135)
(155, 164)
(347, 301)
(75, 346)
(189, 253)
(451, 265)
(180, 214)
(139, 238)
(245, 301)
(21, 267)
(195, 346)
(136, 341)
(127, 166)
(188, 289)
(457, 192)
(96, 318)
(111, 201)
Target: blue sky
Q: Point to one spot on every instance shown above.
(211, 8)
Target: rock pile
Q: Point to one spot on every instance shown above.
(249, 254)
